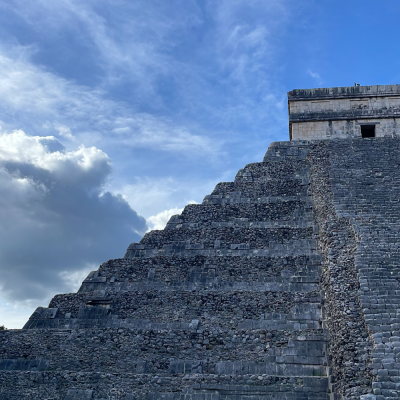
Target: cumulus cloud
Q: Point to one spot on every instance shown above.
(57, 220)
(159, 220)
(149, 195)
(65, 132)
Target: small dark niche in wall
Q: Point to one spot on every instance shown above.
(367, 131)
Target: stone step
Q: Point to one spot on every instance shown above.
(278, 393)
(281, 324)
(384, 295)
(206, 283)
(12, 340)
(254, 190)
(274, 169)
(244, 176)
(208, 213)
(163, 364)
(303, 221)
(381, 327)
(291, 248)
(174, 305)
(224, 237)
(135, 323)
(103, 323)
(386, 283)
(204, 278)
(39, 364)
(179, 311)
(71, 385)
(269, 368)
(151, 350)
(287, 151)
(192, 268)
(264, 199)
(304, 316)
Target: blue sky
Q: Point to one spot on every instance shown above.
(115, 114)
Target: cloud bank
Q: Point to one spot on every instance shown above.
(57, 221)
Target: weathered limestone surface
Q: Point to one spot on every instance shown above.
(339, 112)
(280, 285)
(366, 187)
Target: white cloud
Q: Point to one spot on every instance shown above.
(247, 32)
(57, 220)
(65, 132)
(150, 195)
(160, 220)
(316, 76)
(32, 93)
(146, 131)
(74, 279)
(48, 154)
(15, 316)
(131, 45)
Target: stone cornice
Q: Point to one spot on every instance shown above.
(393, 112)
(344, 92)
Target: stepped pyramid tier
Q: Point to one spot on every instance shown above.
(225, 302)
(283, 284)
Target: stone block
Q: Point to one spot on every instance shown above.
(79, 394)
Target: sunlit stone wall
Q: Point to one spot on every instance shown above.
(339, 113)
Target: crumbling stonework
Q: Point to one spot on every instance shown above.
(365, 184)
(349, 345)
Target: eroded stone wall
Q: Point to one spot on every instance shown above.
(337, 113)
(349, 337)
(366, 191)
(344, 129)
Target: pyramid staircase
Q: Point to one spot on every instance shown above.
(223, 304)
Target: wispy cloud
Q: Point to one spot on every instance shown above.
(130, 41)
(148, 63)
(32, 96)
(316, 76)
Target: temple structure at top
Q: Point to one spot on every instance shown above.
(344, 112)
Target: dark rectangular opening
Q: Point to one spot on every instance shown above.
(367, 131)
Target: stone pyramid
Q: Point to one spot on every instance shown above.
(283, 284)
(225, 302)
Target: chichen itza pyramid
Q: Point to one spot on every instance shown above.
(283, 284)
